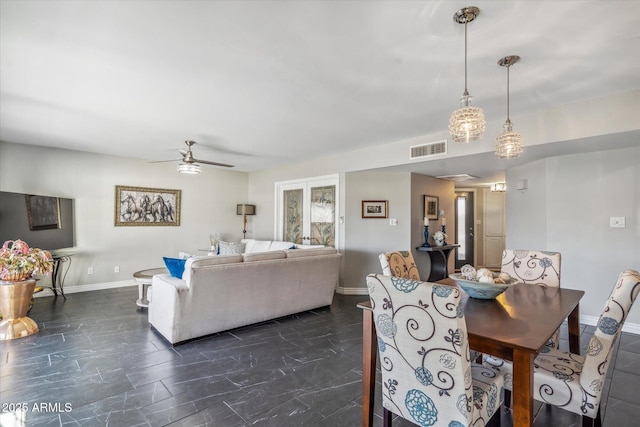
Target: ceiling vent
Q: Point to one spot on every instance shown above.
(457, 178)
(426, 150)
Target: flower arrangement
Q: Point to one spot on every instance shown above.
(19, 262)
(439, 236)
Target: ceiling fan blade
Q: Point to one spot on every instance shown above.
(206, 162)
(166, 161)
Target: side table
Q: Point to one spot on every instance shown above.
(439, 256)
(143, 278)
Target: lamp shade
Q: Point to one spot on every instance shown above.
(189, 168)
(243, 209)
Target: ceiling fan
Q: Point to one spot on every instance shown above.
(190, 165)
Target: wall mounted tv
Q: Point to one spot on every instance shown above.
(42, 221)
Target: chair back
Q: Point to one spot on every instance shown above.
(399, 264)
(424, 351)
(602, 342)
(532, 267)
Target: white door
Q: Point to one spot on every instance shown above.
(307, 211)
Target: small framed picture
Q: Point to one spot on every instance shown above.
(374, 209)
(430, 207)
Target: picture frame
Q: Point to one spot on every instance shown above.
(374, 209)
(430, 207)
(43, 212)
(140, 206)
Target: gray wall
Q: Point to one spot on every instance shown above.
(566, 208)
(208, 205)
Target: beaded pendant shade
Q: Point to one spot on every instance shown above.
(467, 123)
(508, 143)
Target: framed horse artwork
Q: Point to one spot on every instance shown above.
(139, 206)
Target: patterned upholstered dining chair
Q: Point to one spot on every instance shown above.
(427, 376)
(399, 264)
(536, 268)
(573, 382)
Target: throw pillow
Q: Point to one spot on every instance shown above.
(175, 266)
(230, 248)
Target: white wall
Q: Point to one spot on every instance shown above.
(566, 208)
(366, 238)
(208, 205)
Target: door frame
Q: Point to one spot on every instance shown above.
(474, 191)
(306, 183)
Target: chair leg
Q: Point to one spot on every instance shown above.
(507, 398)
(386, 417)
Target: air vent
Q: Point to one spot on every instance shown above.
(457, 178)
(425, 150)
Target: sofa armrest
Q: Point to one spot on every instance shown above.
(165, 304)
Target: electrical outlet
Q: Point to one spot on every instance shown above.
(90, 270)
(116, 269)
(616, 222)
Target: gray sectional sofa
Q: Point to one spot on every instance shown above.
(219, 293)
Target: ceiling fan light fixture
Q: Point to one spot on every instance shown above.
(508, 143)
(466, 124)
(189, 168)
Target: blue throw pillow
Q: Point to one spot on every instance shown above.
(175, 266)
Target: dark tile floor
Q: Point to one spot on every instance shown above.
(96, 362)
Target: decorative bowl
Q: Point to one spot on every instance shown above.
(481, 290)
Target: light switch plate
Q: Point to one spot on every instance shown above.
(617, 222)
(393, 221)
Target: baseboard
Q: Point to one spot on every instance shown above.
(87, 288)
(352, 291)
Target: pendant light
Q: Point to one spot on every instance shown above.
(467, 123)
(509, 143)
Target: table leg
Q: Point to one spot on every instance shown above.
(369, 354)
(574, 330)
(522, 388)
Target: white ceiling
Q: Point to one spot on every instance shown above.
(264, 83)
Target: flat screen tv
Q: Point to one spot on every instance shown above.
(42, 221)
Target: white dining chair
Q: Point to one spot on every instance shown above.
(534, 268)
(573, 382)
(427, 375)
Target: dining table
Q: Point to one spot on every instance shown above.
(515, 326)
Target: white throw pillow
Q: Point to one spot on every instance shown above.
(231, 248)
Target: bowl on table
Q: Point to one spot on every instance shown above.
(480, 290)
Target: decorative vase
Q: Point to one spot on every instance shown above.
(15, 297)
(439, 242)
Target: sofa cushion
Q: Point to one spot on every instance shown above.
(297, 253)
(203, 261)
(264, 256)
(230, 248)
(175, 266)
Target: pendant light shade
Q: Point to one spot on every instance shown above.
(508, 143)
(467, 123)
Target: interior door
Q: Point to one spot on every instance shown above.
(307, 211)
(465, 229)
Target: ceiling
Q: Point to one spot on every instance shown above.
(260, 84)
